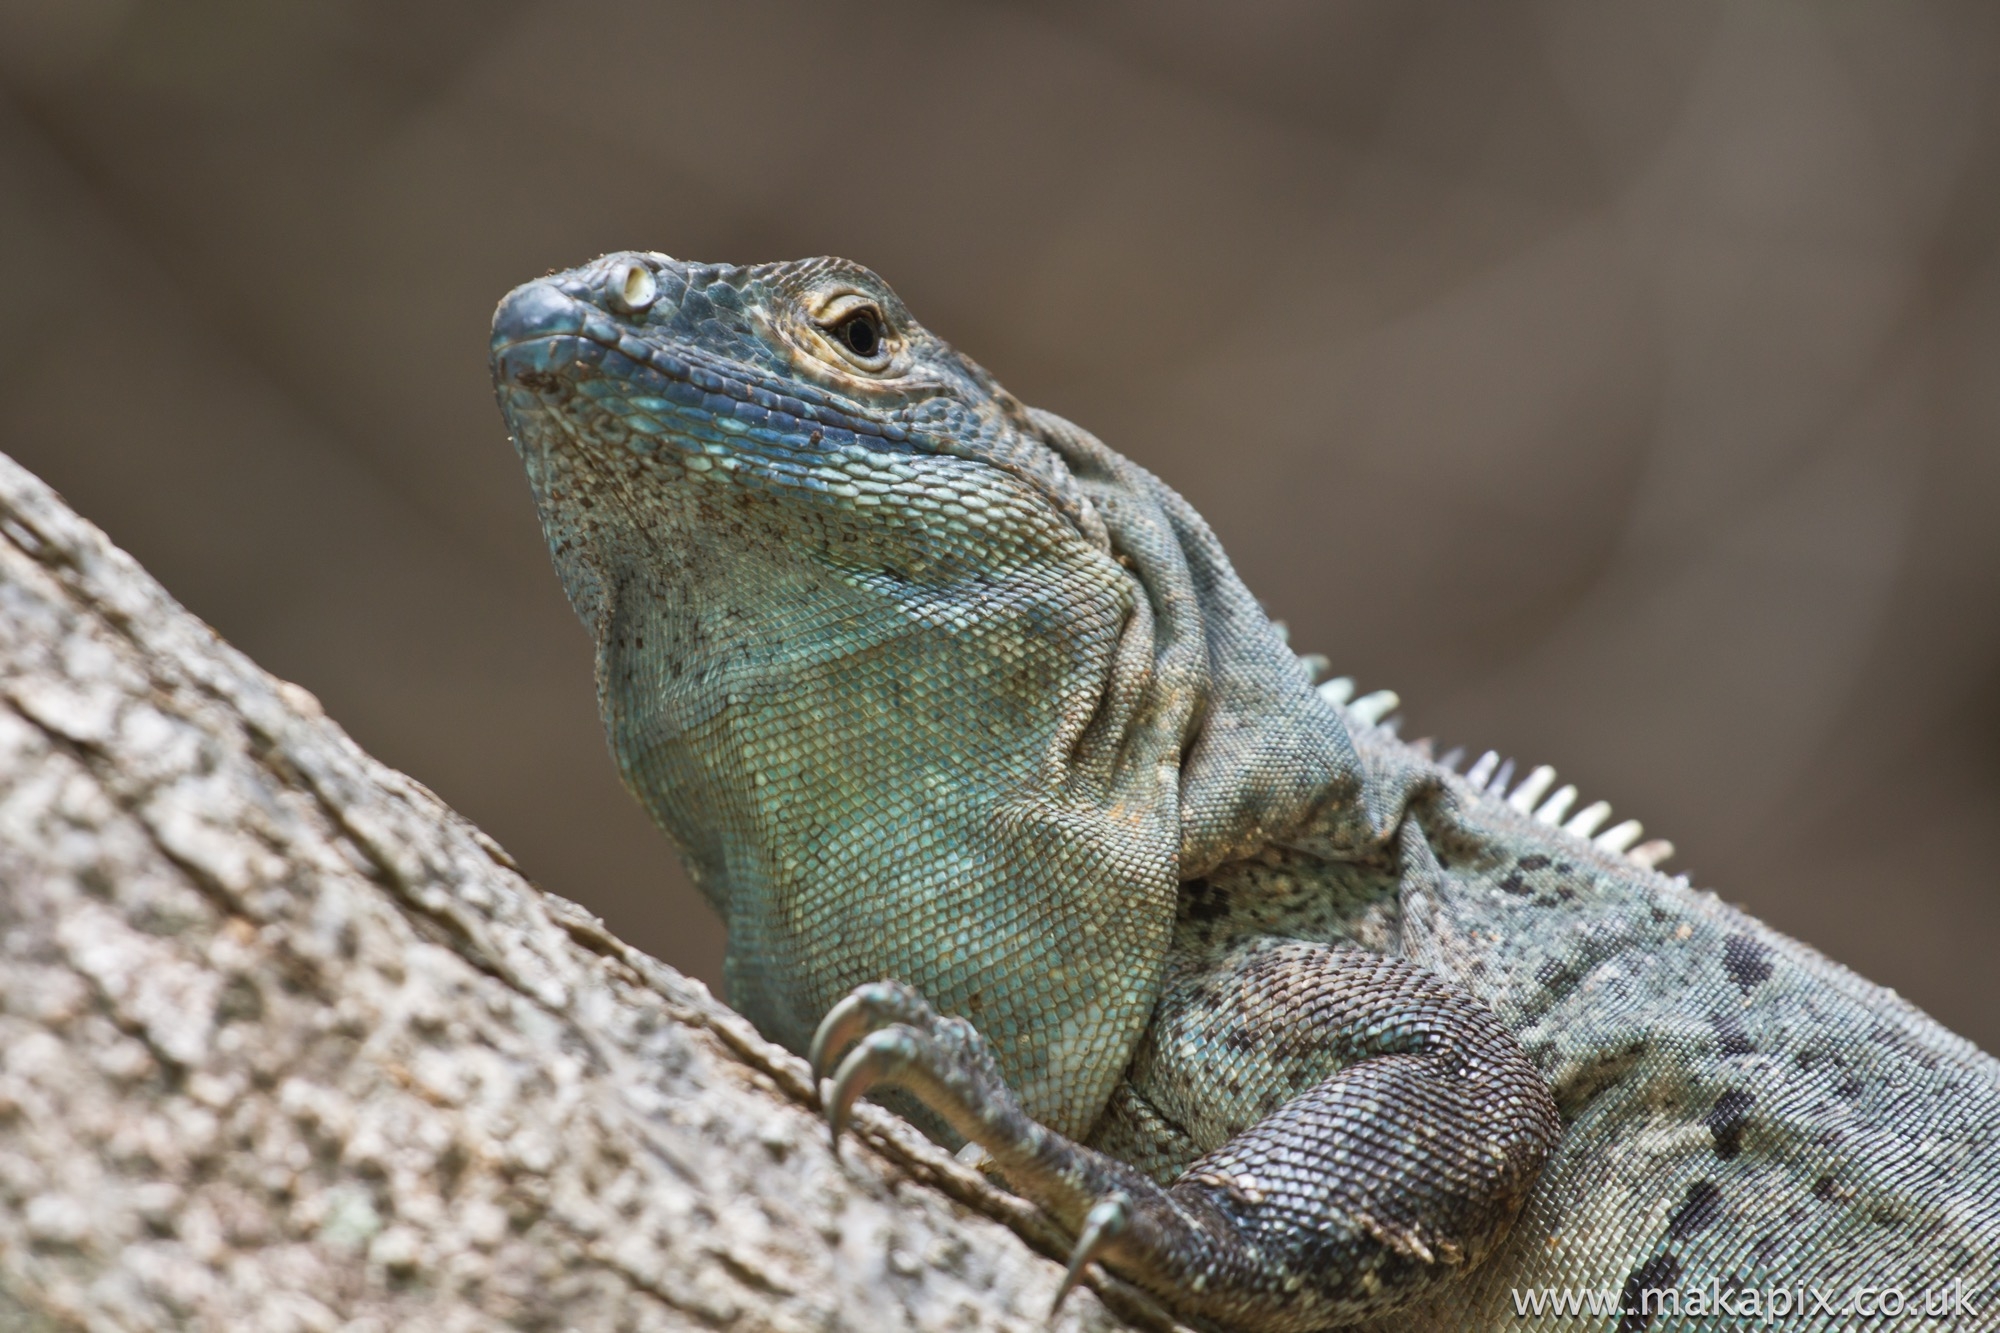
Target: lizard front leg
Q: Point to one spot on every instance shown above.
(1378, 1132)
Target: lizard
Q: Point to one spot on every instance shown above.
(1021, 813)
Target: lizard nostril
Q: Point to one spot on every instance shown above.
(631, 288)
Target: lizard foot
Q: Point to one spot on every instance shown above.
(1399, 1165)
(899, 1039)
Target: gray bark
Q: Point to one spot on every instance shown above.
(286, 1044)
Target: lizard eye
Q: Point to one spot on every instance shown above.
(856, 327)
(861, 333)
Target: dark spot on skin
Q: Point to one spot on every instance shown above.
(1701, 1207)
(1515, 885)
(1206, 902)
(1725, 1121)
(1562, 867)
(1882, 1217)
(541, 381)
(1656, 1274)
(1537, 862)
(1730, 1038)
(1239, 1039)
(1823, 1189)
(1746, 961)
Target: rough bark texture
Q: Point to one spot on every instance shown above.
(286, 1044)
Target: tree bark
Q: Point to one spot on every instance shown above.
(287, 1044)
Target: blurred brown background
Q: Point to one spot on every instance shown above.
(1619, 382)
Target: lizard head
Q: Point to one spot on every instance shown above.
(861, 614)
(802, 388)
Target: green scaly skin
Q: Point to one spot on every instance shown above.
(954, 711)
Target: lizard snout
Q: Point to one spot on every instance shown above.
(534, 331)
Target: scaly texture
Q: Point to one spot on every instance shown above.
(967, 728)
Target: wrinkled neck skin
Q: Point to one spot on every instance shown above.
(924, 684)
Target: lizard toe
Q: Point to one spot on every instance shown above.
(880, 1056)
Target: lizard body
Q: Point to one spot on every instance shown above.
(952, 710)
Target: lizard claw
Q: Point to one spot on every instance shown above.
(843, 1023)
(1107, 1220)
(897, 1038)
(862, 1010)
(882, 1053)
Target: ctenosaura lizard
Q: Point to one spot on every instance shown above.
(1019, 807)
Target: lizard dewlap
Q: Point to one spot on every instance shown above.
(1015, 801)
